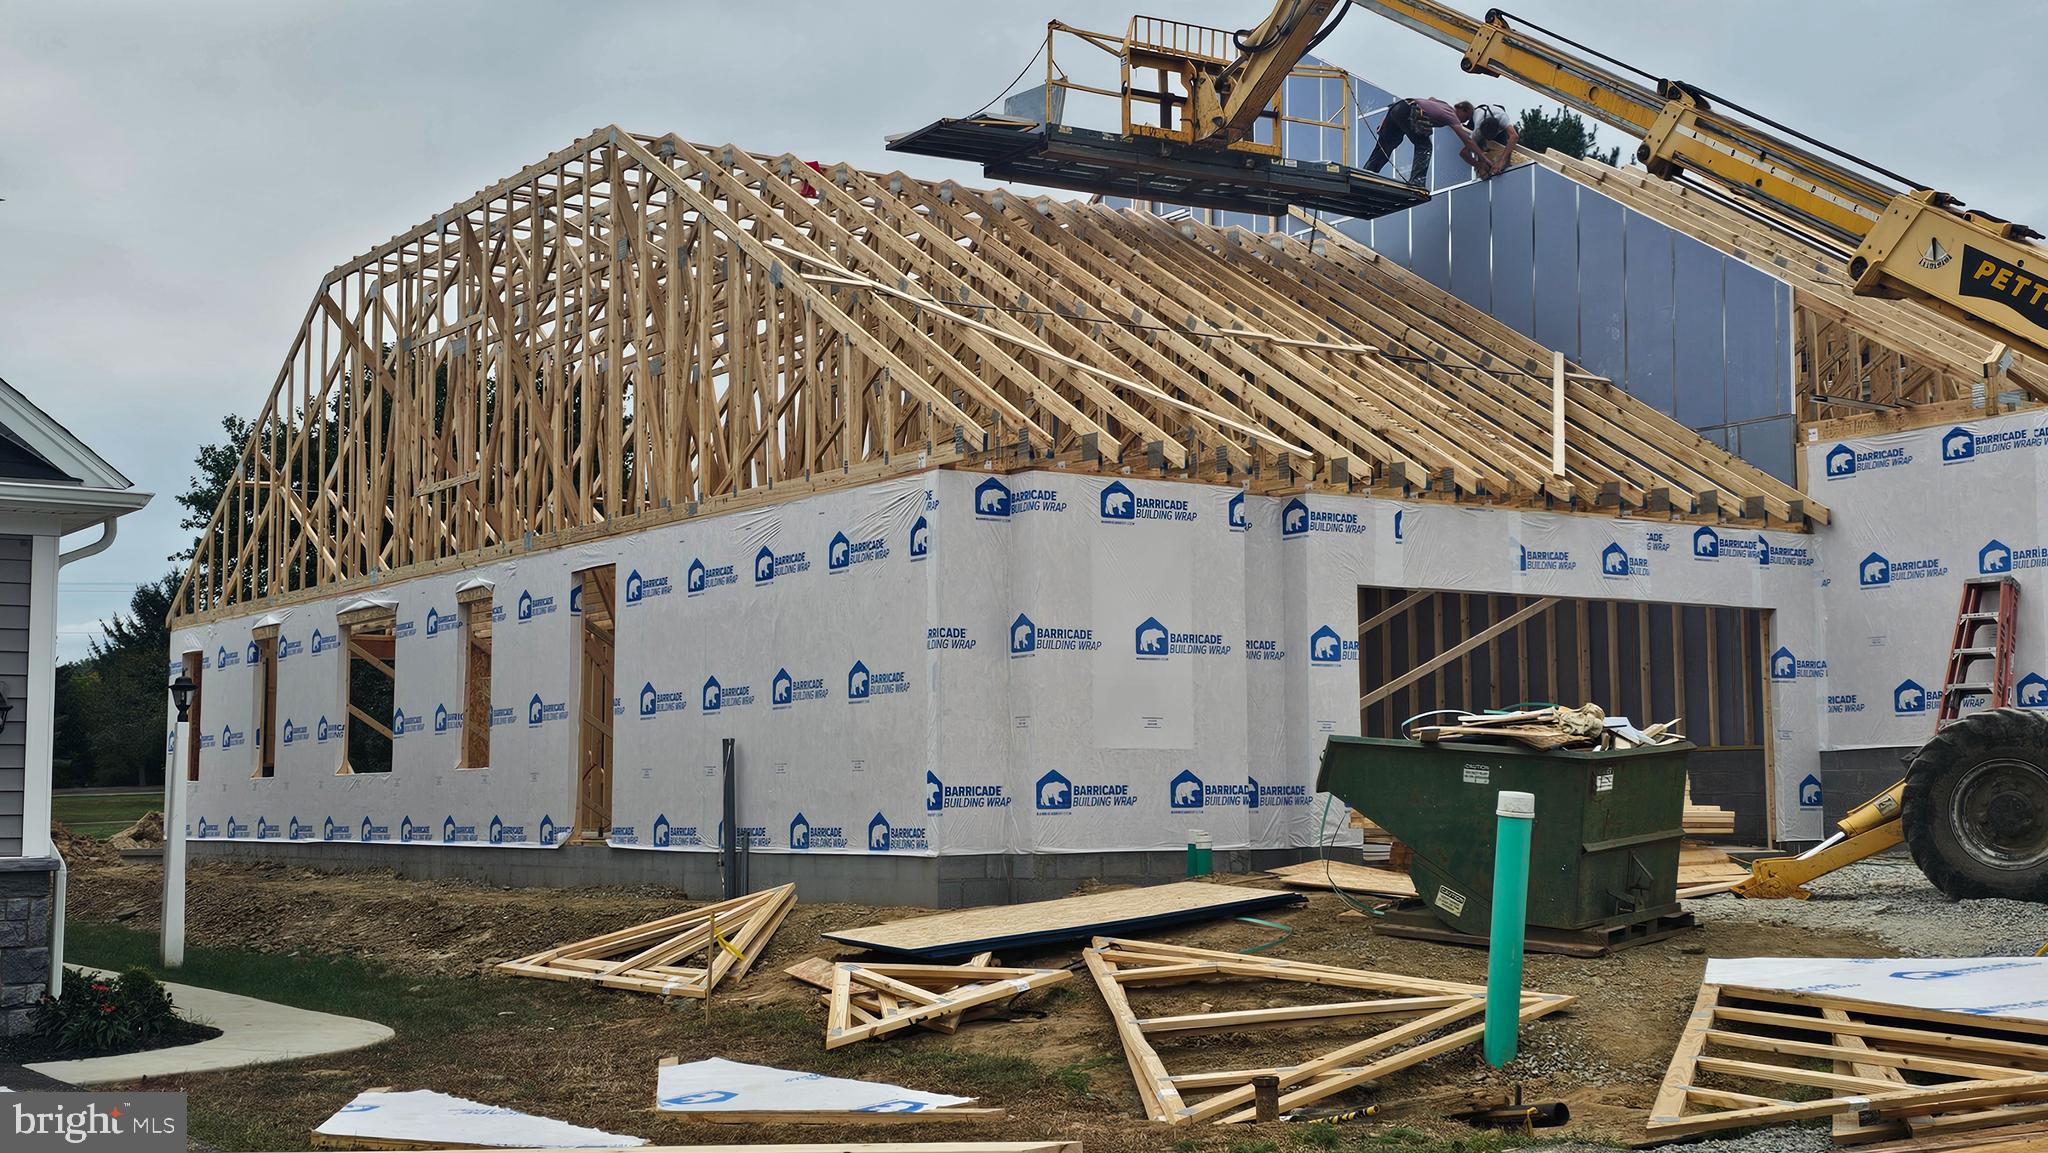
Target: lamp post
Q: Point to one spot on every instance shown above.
(172, 945)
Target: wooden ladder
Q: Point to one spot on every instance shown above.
(1972, 648)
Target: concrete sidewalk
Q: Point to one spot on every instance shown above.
(252, 1032)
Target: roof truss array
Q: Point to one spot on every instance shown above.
(639, 328)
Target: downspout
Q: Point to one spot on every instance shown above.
(106, 541)
(63, 879)
(108, 528)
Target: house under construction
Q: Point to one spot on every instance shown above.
(995, 541)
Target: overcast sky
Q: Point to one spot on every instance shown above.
(177, 176)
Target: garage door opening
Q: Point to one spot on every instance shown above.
(1703, 664)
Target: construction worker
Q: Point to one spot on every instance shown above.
(1496, 140)
(1417, 118)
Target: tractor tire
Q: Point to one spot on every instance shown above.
(1976, 806)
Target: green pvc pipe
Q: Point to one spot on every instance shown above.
(1515, 815)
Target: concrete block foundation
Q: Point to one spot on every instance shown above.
(929, 882)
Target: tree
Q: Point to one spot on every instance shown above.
(111, 706)
(216, 464)
(1563, 131)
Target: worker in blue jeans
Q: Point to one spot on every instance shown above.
(1417, 118)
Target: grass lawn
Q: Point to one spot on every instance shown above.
(587, 1056)
(583, 1055)
(101, 815)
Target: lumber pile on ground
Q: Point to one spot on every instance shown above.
(1434, 1017)
(1706, 820)
(1379, 844)
(872, 1000)
(817, 973)
(653, 958)
(1751, 1057)
(1704, 870)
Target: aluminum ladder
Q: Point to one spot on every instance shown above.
(1971, 648)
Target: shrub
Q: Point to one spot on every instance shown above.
(105, 1015)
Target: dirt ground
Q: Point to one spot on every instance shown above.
(588, 1055)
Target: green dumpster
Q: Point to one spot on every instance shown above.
(1604, 857)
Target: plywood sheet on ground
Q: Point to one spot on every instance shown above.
(998, 927)
(1347, 877)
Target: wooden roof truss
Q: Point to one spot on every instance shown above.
(640, 328)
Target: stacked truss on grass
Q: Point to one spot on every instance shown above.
(906, 995)
(1432, 1018)
(1756, 1057)
(654, 958)
(866, 1004)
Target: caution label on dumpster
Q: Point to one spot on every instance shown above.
(1604, 783)
(1477, 774)
(1450, 900)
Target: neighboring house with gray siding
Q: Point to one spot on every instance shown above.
(51, 485)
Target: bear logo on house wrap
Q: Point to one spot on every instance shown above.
(1909, 698)
(1294, 518)
(878, 834)
(1809, 792)
(857, 682)
(1784, 666)
(1055, 792)
(920, 538)
(799, 833)
(1325, 646)
(2032, 691)
(1994, 557)
(839, 552)
(764, 565)
(778, 689)
(992, 499)
(1706, 543)
(934, 792)
(1614, 560)
(1234, 513)
(694, 581)
(649, 699)
(1841, 461)
(1152, 638)
(1185, 792)
(711, 694)
(1958, 444)
(1874, 572)
(1116, 501)
(1023, 635)
(633, 593)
